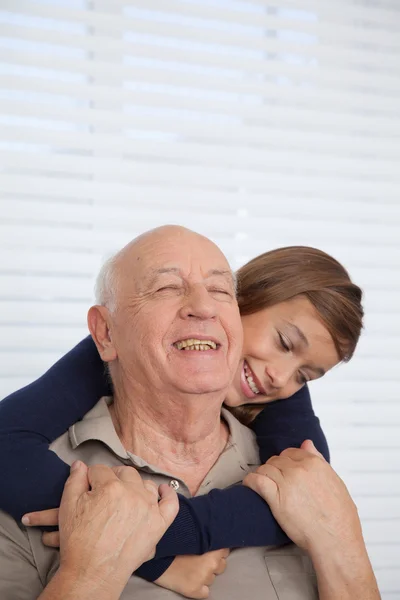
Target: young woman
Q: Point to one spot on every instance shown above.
(301, 316)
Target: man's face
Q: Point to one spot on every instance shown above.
(175, 291)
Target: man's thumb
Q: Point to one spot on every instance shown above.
(168, 504)
(77, 483)
(308, 446)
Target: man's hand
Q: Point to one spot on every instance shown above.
(313, 506)
(110, 522)
(307, 497)
(191, 576)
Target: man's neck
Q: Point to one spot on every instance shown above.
(182, 436)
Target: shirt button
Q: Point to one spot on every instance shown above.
(174, 484)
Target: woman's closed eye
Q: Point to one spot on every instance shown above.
(285, 343)
(302, 379)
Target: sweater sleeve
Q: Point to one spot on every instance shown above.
(286, 424)
(33, 417)
(36, 415)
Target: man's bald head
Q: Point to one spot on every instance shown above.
(168, 285)
(128, 262)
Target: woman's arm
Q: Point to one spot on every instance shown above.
(286, 424)
(33, 477)
(36, 415)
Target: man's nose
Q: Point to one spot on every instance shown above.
(279, 374)
(199, 304)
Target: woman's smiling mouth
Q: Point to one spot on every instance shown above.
(251, 386)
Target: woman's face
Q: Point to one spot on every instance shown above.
(285, 346)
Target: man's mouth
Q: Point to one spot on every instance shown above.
(193, 344)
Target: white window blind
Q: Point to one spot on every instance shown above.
(259, 124)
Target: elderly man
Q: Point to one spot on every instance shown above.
(165, 419)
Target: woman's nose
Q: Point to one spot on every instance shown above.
(279, 374)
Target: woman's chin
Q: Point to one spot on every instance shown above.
(234, 398)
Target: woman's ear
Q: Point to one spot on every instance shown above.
(98, 320)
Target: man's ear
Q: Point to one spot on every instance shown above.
(98, 323)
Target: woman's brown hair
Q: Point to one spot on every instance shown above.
(282, 274)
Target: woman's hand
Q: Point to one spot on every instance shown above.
(192, 576)
(45, 518)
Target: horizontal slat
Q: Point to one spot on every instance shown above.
(140, 172)
(368, 483)
(366, 461)
(111, 49)
(254, 131)
(334, 390)
(167, 97)
(336, 57)
(202, 154)
(41, 263)
(388, 582)
(119, 234)
(217, 201)
(383, 555)
(47, 288)
(370, 369)
(116, 24)
(58, 314)
(37, 339)
(360, 415)
(381, 531)
(379, 436)
(389, 508)
(84, 214)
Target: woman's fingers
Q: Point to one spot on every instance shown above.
(220, 567)
(51, 539)
(41, 518)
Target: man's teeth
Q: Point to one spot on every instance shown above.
(250, 380)
(194, 344)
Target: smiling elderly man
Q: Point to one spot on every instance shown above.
(164, 289)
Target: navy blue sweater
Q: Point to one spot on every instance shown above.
(31, 418)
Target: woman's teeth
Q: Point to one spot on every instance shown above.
(250, 380)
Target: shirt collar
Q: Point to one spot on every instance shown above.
(97, 424)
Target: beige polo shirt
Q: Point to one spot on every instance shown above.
(269, 573)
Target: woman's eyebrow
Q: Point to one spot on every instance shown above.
(318, 370)
(298, 332)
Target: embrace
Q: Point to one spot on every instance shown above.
(193, 464)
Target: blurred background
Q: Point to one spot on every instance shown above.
(259, 124)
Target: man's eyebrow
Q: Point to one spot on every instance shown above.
(227, 273)
(154, 273)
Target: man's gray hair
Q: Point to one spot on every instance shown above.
(105, 289)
